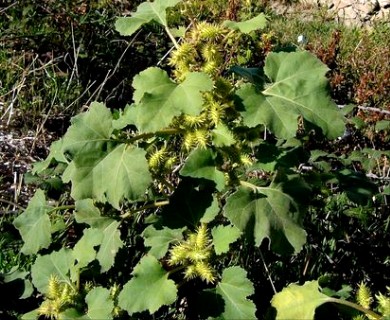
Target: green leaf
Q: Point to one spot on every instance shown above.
(159, 240)
(222, 136)
(256, 23)
(211, 211)
(149, 289)
(100, 305)
(265, 213)
(19, 276)
(234, 289)
(146, 12)
(298, 88)
(89, 131)
(86, 212)
(32, 315)
(160, 99)
(201, 164)
(34, 224)
(111, 243)
(56, 153)
(299, 302)
(84, 251)
(223, 236)
(57, 263)
(121, 173)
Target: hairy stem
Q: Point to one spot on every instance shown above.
(356, 307)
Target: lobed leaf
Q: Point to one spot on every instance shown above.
(34, 224)
(86, 212)
(201, 164)
(159, 240)
(109, 247)
(84, 251)
(298, 88)
(234, 289)
(299, 302)
(159, 99)
(100, 305)
(223, 236)
(149, 289)
(146, 12)
(265, 212)
(222, 136)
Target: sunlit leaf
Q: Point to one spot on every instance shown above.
(235, 289)
(34, 224)
(100, 305)
(86, 212)
(149, 289)
(223, 236)
(267, 212)
(299, 302)
(84, 251)
(256, 23)
(222, 136)
(146, 12)
(160, 99)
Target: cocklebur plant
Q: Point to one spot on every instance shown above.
(187, 168)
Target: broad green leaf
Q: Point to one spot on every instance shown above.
(100, 305)
(146, 12)
(89, 131)
(72, 314)
(222, 136)
(111, 243)
(86, 212)
(149, 289)
(84, 251)
(223, 236)
(234, 289)
(34, 224)
(20, 276)
(159, 240)
(299, 302)
(160, 99)
(201, 164)
(121, 173)
(256, 23)
(298, 88)
(57, 263)
(32, 315)
(267, 212)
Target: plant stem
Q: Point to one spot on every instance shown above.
(170, 35)
(148, 206)
(356, 307)
(65, 207)
(248, 185)
(148, 135)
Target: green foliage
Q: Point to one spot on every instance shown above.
(164, 190)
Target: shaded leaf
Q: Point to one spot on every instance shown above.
(149, 289)
(100, 305)
(57, 263)
(223, 236)
(159, 240)
(86, 212)
(267, 212)
(34, 224)
(146, 12)
(84, 251)
(111, 243)
(160, 99)
(299, 302)
(211, 212)
(234, 289)
(256, 23)
(201, 164)
(56, 153)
